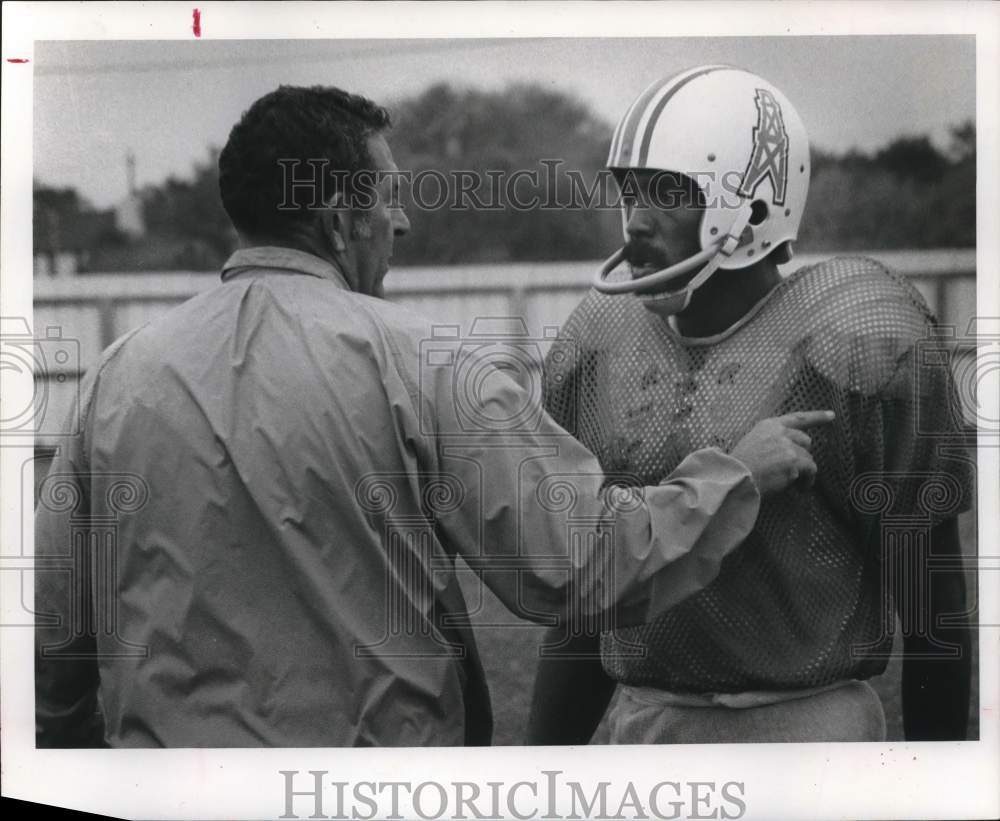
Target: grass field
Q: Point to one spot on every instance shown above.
(510, 655)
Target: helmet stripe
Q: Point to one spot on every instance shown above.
(626, 128)
(613, 152)
(654, 116)
(631, 154)
(616, 139)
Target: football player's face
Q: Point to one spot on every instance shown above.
(663, 219)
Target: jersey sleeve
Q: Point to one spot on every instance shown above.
(534, 516)
(562, 371)
(576, 364)
(905, 432)
(927, 469)
(873, 353)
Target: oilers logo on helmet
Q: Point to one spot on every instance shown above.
(770, 150)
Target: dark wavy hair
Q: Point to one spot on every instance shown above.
(293, 123)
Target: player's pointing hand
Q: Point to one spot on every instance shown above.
(776, 451)
(800, 420)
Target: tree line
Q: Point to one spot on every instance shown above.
(907, 194)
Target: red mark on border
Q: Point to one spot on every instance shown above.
(196, 22)
(17, 60)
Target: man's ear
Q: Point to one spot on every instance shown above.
(336, 224)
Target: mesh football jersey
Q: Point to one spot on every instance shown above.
(791, 606)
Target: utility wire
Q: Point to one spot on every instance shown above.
(365, 50)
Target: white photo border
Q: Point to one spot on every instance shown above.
(891, 780)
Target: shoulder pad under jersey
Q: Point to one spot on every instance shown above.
(860, 319)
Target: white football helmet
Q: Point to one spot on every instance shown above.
(740, 139)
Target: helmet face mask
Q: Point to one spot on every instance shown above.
(741, 141)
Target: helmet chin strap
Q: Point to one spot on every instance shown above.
(669, 303)
(650, 288)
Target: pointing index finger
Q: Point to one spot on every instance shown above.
(806, 419)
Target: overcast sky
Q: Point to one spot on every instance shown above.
(169, 100)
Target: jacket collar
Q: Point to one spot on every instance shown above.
(286, 260)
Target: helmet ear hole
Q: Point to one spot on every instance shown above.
(758, 212)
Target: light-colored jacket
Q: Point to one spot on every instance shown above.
(252, 540)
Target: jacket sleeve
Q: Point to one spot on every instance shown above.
(66, 671)
(544, 529)
(66, 616)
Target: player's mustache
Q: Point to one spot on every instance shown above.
(639, 254)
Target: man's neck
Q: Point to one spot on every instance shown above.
(300, 241)
(726, 298)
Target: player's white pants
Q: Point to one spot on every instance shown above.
(848, 711)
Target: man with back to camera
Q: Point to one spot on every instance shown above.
(289, 482)
(703, 339)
